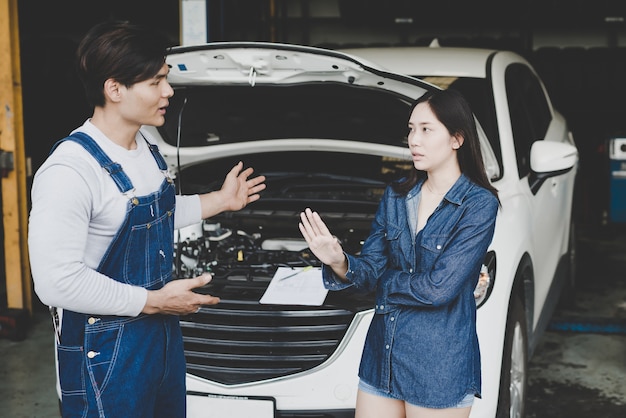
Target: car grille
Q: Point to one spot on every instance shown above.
(243, 341)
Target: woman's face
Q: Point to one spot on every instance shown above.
(431, 145)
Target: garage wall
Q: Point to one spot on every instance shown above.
(537, 22)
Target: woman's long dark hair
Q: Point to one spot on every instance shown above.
(454, 112)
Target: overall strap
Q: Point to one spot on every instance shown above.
(121, 180)
(154, 149)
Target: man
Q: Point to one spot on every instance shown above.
(101, 236)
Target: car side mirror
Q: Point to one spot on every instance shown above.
(549, 159)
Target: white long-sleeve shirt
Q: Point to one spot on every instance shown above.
(76, 211)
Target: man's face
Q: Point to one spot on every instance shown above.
(145, 102)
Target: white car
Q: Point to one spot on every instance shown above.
(328, 130)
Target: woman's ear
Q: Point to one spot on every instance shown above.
(457, 142)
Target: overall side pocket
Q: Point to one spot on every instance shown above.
(72, 379)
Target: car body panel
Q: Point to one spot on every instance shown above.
(312, 388)
(453, 62)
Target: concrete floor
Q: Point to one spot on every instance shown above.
(578, 370)
(27, 375)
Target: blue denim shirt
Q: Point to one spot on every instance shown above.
(422, 345)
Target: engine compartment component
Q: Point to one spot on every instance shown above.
(210, 248)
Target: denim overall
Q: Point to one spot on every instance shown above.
(130, 367)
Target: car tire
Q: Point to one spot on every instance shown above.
(514, 373)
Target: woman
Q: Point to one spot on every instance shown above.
(423, 258)
(101, 236)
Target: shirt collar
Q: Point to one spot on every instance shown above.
(455, 195)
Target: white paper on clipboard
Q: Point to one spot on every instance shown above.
(303, 287)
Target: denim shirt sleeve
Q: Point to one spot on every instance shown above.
(330, 279)
(451, 261)
(365, 270)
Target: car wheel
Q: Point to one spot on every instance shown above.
(514, 374)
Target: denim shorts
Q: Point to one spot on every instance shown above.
(467, 401)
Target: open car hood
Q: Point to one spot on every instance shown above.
(235, 98)
(253, 63)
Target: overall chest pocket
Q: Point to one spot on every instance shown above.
(148, 261)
